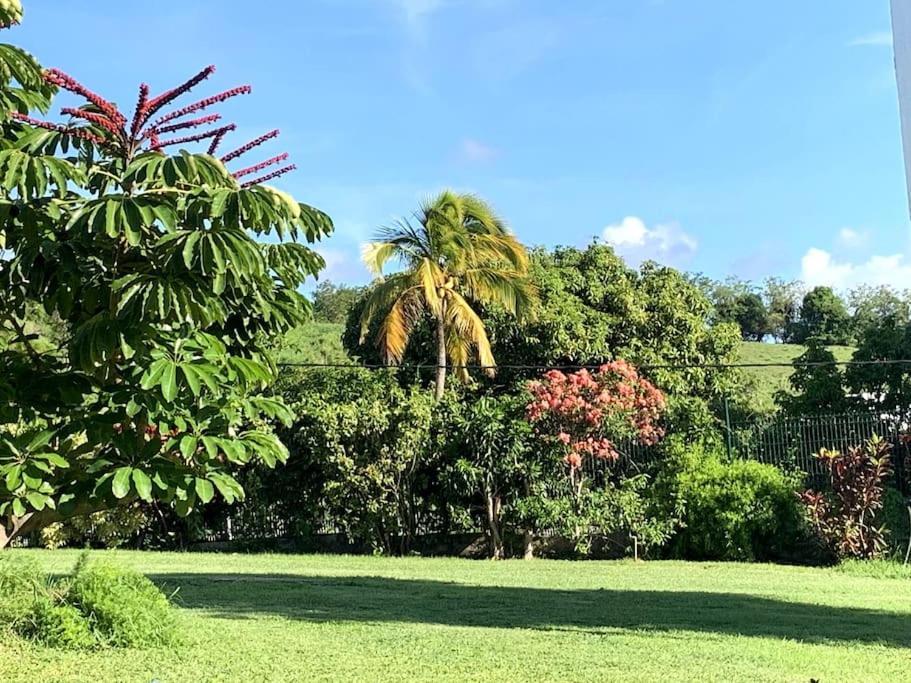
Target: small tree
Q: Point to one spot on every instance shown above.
(492, 439)
(750, 314)
(371, 441)
(586, 416)
(817, 384)
(151, 263)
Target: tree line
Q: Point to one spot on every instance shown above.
(786, 311)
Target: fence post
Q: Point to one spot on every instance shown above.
(727, 425)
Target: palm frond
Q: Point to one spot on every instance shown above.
(376, 254)
(382, 295)
(430, 278)
(395, 330)
(463, 322)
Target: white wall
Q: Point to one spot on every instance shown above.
(901, 30)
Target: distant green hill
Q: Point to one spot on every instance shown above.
(313, 343)
(767, 381)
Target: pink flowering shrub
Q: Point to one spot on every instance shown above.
(585, 414)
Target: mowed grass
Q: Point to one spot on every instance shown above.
(330, 618)
(768, 381)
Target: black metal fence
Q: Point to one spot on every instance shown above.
(791, 443)
(794, 442)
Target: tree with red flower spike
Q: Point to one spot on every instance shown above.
(151, 262)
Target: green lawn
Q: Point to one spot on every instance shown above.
(326, 618)
(769, 380)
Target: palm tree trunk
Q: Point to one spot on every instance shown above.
(441, 360)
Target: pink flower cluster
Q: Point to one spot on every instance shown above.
(192, 123)
(203, 104)
(586, 413)
(261, 165)
(156, 103)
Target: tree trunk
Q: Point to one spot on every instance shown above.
(441, 360)
(528, 545)
(12, 528)
(492, 504)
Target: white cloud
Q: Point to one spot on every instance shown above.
(475, 151)
(876, 39)
(666, 243)
(852, 239)
(416, 13)
(819, 267)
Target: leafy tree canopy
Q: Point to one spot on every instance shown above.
(823, 315)
(593, 309)
(150, 262)
(748, 312)
(886, 385)
(332, 303)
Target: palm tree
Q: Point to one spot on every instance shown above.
(456, 253)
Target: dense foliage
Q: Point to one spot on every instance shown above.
(332, 303)
(817, 384)
(369, 440)
(823, 315)
(151, 264)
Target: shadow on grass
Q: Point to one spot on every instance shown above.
(376, 599)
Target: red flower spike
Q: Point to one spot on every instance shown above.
(216, 141)
(192, 123)
(157, 103)
(250, 145)
(260, 166)
(193, 138)
(93, 117)
(67, 82)
(66, 130)
(270, 176)
(141, 105)
(203, 104)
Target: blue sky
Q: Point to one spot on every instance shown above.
(751, 139)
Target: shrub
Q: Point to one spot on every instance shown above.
(124, 608)
(729, 510)
(58, 625)
(846, 517)
(22, 583)
(99, 605)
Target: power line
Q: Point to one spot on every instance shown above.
(667, 366)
